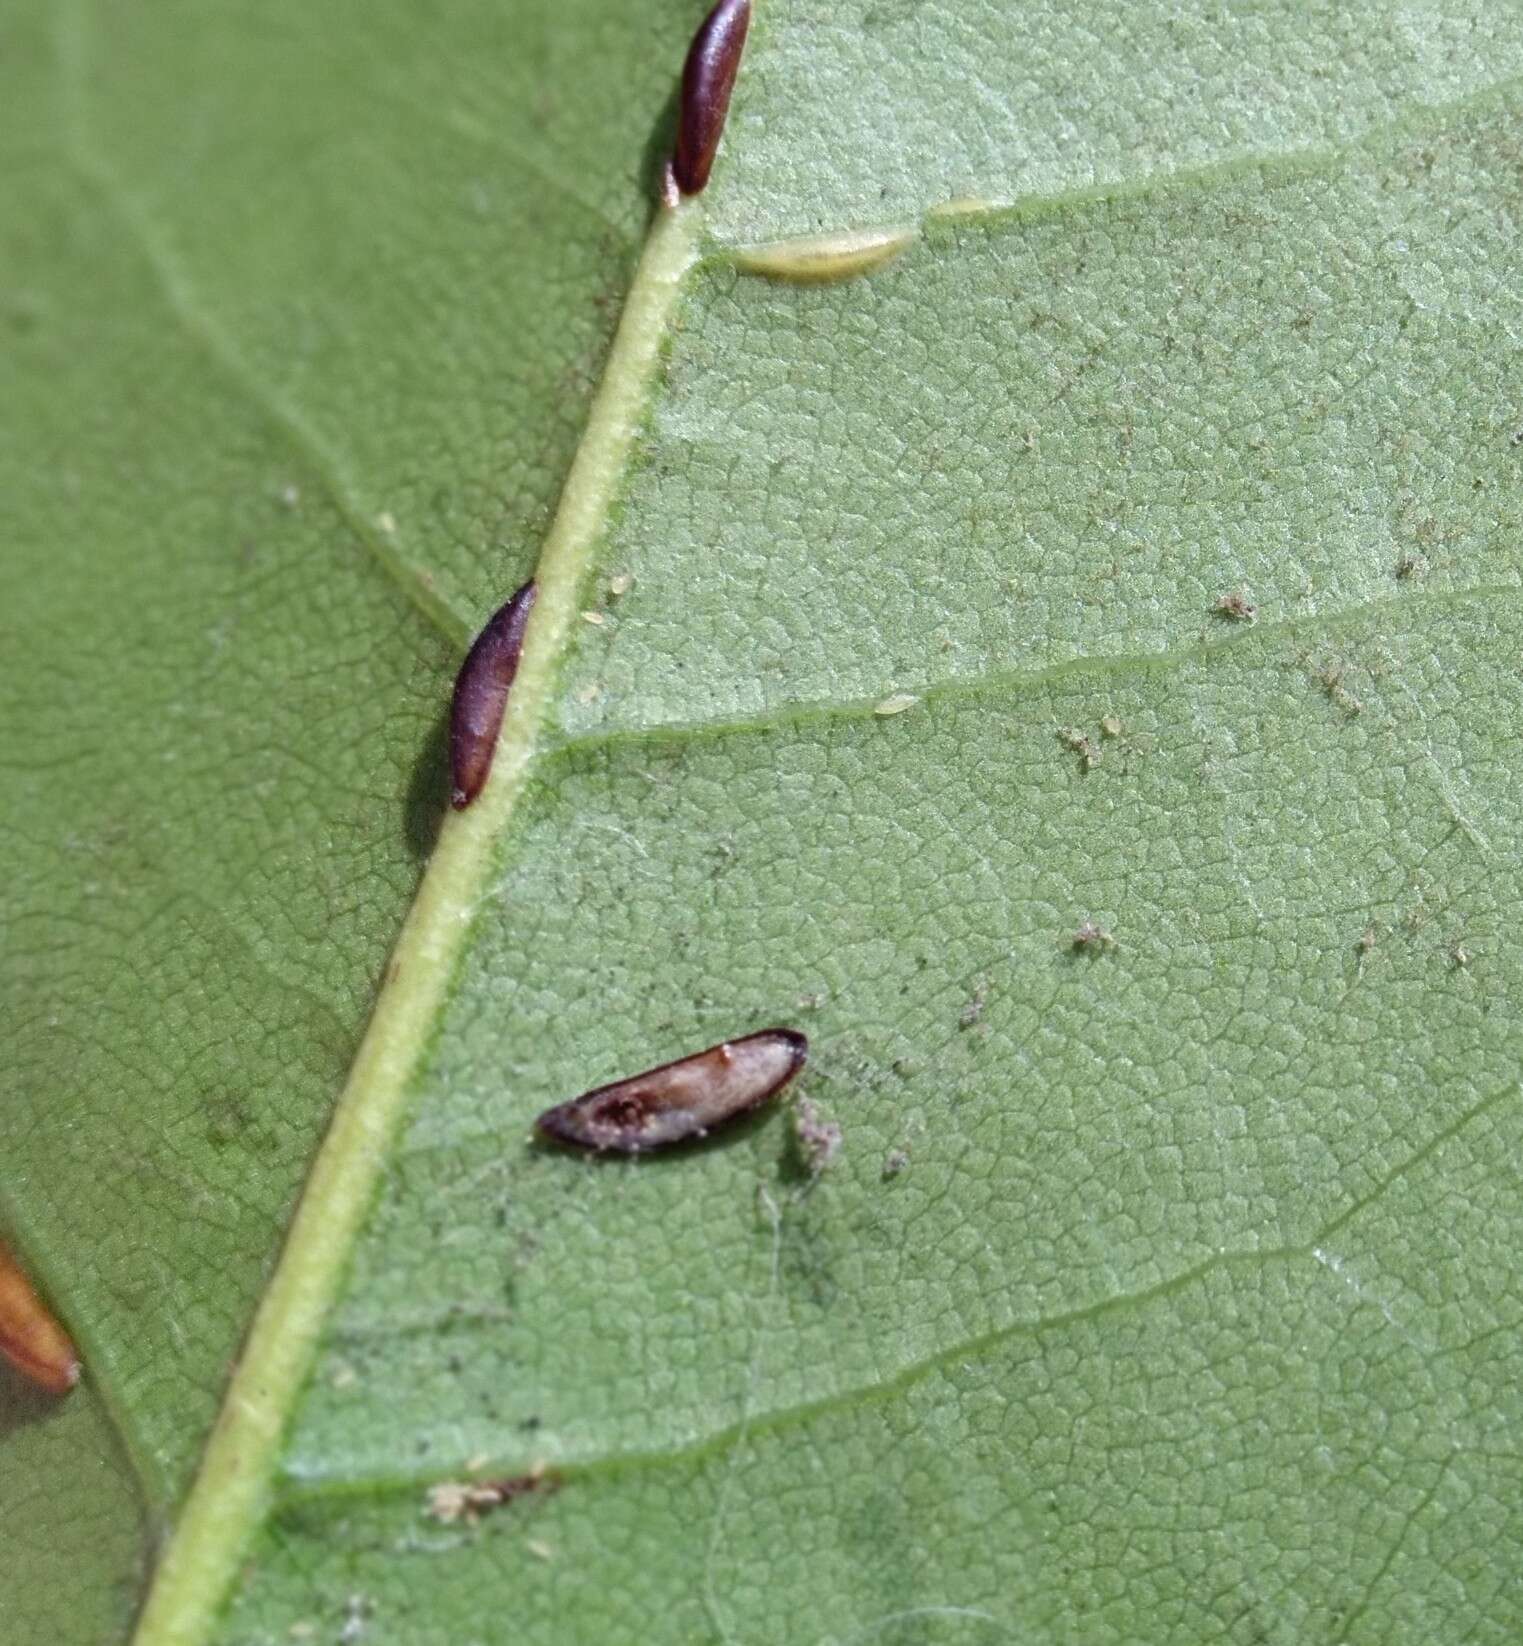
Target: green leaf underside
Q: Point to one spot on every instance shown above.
(246, 312)
(1192, 1314)
(1215, 1273)
(1198, 1258)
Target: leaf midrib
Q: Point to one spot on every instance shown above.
(233, 1485)
(225, 1502)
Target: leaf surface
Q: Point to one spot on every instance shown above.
(1192, 1312)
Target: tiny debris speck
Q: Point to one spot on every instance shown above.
(450, 1501)
(974, 1010)
(453, 1501)
(819, 1139)
(1236, 607)
(1078, 743)
(896, 1161)
(356, 1616)
(1331, 677)
(1091, 937)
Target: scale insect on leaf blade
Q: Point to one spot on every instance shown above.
(820, 259)
(681, 1101)
(481, 696)
(30, 1337)
(708, 78)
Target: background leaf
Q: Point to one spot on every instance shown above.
(1193, 1313)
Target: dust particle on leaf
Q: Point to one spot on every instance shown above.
(974, 1010)
(818, 1138)
(356, 1620)
(449, 1501)
(1332, 677)
(1091, 938)
(1236, 607)
(895, 1162)
(452, 1501)
(1078, 743)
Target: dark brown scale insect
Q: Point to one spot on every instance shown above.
(708, 78)
(30, 1338)
(481, 696)
(682, 1100)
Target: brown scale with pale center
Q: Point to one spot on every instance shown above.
(680, 1101)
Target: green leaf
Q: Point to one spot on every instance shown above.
(1164, 1288)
